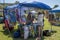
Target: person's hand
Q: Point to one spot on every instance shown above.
(33, 21)
(24, 23)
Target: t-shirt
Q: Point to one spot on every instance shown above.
(23, 19)
(26, 28)
(40, 19)
(6, 17)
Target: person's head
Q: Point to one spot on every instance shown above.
(30, 13)
(39, 13)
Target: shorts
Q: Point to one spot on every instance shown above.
(40, 24)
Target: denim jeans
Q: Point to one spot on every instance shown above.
(35, 27)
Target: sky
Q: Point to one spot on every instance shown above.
(51, 3)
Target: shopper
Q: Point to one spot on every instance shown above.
(40, 22)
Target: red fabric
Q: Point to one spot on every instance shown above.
(11, 28)
(6, 23)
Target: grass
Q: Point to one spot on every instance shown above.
(55, 36)
(47, 26)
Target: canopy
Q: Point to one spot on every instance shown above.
(11, 7)
(56, 11)
(36, 5)
(31, 4)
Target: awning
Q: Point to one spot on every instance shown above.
(56, 11)
(11, 7)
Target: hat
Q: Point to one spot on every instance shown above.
(33, 12)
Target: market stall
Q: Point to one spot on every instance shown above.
(17, 12)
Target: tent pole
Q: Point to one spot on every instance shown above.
(50, 23)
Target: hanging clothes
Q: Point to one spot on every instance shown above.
(6, 21)
(26, 32)
(12, 18)
(17, 14)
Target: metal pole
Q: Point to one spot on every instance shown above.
(51, 24)
(0, 1)
(3, 3)
(3, 7)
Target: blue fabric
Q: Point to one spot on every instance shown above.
(35, 25)
(6, 17)
(56, 11)
(5, 11)
(16, 34)
(13, 18)
(32, 4)
(36, 5)
(23, 19)
(12, 7)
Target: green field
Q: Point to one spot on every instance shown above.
(55, 36)
(47, 26)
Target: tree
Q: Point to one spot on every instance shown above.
(17, 2)
(55, 6)
(1, 6)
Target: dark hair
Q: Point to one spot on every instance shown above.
(29, 16)
(25, 11)
(39, 13)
